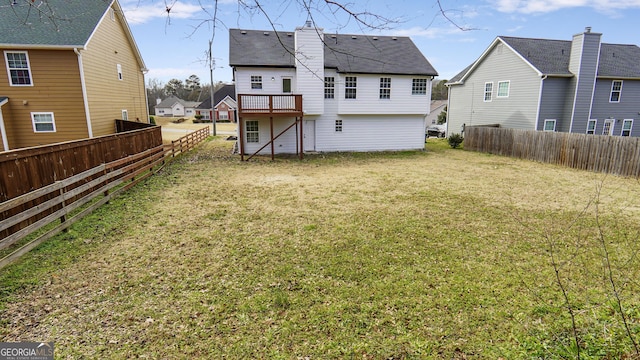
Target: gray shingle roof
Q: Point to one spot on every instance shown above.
(66, 23)
(363, 54)
(220, 94)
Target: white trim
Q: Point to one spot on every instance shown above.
(542, 79)
(630, 127)
(5, 142)
(119, 69)
(85, 97)
(595, 79)
(619, 91)
(595, 126)
(611, 128)
(33, 121)
(544, 128)
(6, 60)
(508, 89)
(484, 92)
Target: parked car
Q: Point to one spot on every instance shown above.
(437, 130)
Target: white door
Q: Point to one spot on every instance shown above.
(608, 127)
(309, 131)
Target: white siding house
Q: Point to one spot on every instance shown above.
(335, 92)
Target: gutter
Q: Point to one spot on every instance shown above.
(85, 98)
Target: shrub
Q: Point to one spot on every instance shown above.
(455, 140)
(198, 116)
(152, 120)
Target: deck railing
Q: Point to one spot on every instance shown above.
(286, 105)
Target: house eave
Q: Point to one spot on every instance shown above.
(612, 77)
(41, 47)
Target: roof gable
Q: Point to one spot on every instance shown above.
(345, 53)
(54, 23)
(551, 58)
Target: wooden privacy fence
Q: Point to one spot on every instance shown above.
(599, 153)
(41, 185)
(187, 142)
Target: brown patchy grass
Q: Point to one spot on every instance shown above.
(437, 254)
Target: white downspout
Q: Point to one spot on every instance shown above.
(85, 98)
(5, 142)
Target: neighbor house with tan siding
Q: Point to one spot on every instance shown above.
(70, 70)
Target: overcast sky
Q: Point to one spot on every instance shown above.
(174, 43)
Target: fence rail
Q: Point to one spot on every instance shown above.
(599, 153)
(187, 142)
(42, 185)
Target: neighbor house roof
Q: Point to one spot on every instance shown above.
(220, 94)
(364, 54)
(172, 100)
(551, 57)
(56, 24)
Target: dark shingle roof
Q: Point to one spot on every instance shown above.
(65, 23)
(346, 53)
(619, 61)
(220, 94)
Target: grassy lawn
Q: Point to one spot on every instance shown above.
(436, 254)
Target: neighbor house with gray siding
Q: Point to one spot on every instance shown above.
(304, 90)
(578, 86)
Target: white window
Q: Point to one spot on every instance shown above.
(385, 88)
(627, 124)
(338, 125)
(125, 115)
(488, 91)
(503, 89)
(350, 87)
(616, 91)
(252, 131)
(607, 129)
(18, 68)
(591, 126)
(43, 122)
(419, 87)
(256, 82)
(550, 125)
(223, 115)
(119, 68)
(329, 87)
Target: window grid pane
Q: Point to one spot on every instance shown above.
(351, 84)
(18, 68)
(419, 87)
(626, 127)
(616, 90)
(488, 91)
(43, 122)
(256, 81)
(252, 131)
(329, 87)
(385, 88)
(591, 127)
(503, 89)
(338, 125)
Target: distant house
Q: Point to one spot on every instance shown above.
(175, 107)
(437, 106)
(224, 109)
(304, 91)
(579, 86)
(70, 69)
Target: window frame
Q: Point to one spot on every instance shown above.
(595, 125)
(223, 115)
(508, 82)
(284, 88)
(34, 122)
(329, 87)
(488, 92)
(252, 132)
(550, 121)
(119, 69)
(27, 69)
(385, 88)
(351, 87)
(614, 91)
(256, 82)
(419, 86)
(125, 114)
(612, 126)
(339, 125)
(626, 121)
